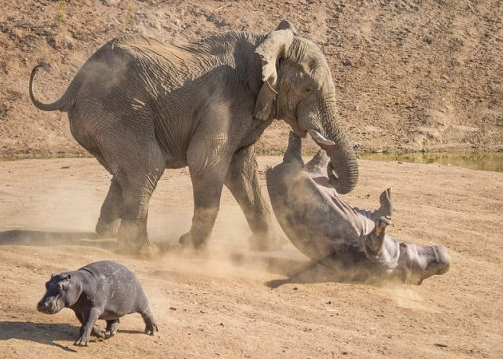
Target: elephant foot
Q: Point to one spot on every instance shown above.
(143, 251)
(131, 242)
(107, 229)
(266, 241)
(189, 240)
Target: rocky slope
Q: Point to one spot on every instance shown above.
(410, 75)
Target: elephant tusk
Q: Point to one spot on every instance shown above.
(320, 139)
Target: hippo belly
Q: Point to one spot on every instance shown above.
(315, 224)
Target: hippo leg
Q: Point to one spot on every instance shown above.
(305, 273)
(375, 239)
(89, 323)
(150, 325)
(112, 327)
(296, 277)
(386, 208)
(97, 331)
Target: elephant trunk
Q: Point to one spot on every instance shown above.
(343, 167)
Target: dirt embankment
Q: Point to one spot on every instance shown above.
(409, 74)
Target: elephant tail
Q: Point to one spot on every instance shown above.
(63, 104)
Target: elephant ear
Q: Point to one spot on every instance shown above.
(274, 47)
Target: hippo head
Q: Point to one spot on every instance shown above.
(60, 293)
(405, 262)
(416, 263)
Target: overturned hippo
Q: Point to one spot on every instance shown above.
(326, 228)
(101, 290)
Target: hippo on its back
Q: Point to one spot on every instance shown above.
(331, 232)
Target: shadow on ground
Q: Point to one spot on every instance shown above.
(46, 238)
(44, 333)
(303, 271)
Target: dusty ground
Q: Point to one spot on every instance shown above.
(409, 74)
(216, 304)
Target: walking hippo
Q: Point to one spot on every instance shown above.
(101, 290)
(326, 228)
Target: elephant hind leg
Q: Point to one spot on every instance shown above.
(137, 163)
(110, 214)
(137, 188)
(138, 182)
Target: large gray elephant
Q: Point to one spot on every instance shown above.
(140, 106)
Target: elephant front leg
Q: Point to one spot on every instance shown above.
(243, 182)
(208, 162)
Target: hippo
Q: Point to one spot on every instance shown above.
(101, 290)
(333, 233)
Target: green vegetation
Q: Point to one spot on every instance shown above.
(128, 19)
(486, 161)
(60, 15)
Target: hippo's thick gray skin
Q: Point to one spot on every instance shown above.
(101, 290)
(330, 231)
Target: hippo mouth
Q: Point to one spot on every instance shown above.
(49, 307)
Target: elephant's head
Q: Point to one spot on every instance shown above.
(298, 88)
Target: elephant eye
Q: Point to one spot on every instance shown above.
(309, 89)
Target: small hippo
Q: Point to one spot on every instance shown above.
(323, 226)
(101, 290)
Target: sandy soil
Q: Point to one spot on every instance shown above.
(216, 304)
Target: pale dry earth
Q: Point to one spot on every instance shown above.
(216, 304)
(409, 75)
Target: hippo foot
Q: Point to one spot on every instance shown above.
(384, 221)
(98, 332)
(188, 240)
(82, 341)
(386, 208)
(106, 229)
(112, 328)
(151, 328)
(275, 283)
(266, 242)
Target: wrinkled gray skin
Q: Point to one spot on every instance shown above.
(330, 231)
(101, 290)
(140, 106)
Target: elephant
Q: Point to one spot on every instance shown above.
(140, 106)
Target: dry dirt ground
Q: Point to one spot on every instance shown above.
(418, 74)
(216, 304)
